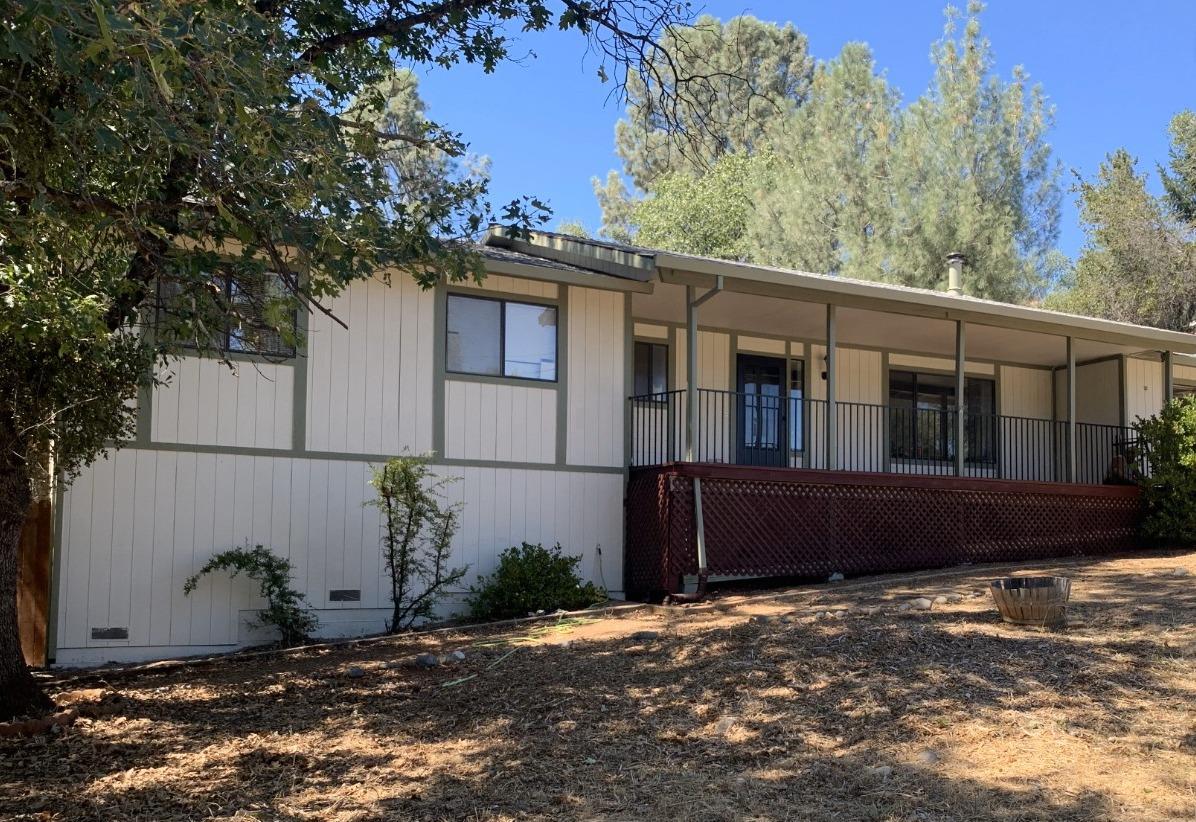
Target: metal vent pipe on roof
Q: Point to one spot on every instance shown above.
(955, 274)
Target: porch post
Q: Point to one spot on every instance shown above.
(1168, 377)
(960, 404)
(832, 411)
(1071, 410)
(691, 371)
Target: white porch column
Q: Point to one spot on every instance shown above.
(832, 411)
(1168, 377)
(1071, 410)
(960, 385)
(691, 372)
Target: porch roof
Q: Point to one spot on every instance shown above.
(645, 266)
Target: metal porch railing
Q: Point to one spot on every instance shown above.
(742, 428)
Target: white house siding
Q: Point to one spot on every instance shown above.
(1143, 387)
(509, 423)
(1025, 392)
(206, 402)
(369, 388)
(714, 409)
(136, 525)
(1098, 399)
(595, 366)
(858, 379)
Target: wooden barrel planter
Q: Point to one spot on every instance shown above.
(1038, 601)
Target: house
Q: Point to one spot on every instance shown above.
(820, 432)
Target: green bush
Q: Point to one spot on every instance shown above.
(1169, 493)
(532, 578)
(285, 608)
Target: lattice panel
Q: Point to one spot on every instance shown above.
(808, 529)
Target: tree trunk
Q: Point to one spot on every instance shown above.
(19, 693)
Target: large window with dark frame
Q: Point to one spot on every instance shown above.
(651, 370)
(488, 336)
(257, 318)
(922, 417)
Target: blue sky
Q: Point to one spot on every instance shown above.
(1115, 71)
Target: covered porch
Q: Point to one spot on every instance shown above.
(834, 426)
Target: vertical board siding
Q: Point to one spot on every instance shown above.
(509, 423)
(1097, 392)
(858, 379)
(1025, 392)
(137, 524)
(594, 374)
(1143, 388)
(915, 362)
(716, 411)
(208, 403)
(369, 389)
(1026, 448)
(516, 285)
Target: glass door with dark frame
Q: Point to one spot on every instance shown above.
(761, 412)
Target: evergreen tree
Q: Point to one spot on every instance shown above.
(705, 215)
(829, 207)
(1180, 183)
(1139, 264)
(972, 173)
(738, 77)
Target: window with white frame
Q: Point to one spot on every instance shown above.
(493, 337)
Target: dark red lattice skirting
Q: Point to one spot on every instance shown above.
(773, 522)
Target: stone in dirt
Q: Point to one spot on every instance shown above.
(456, 656)
(940, 600)
(929, 757)
(355, 672)
(761, 619)
(921, 604)
(882, 771)
(427, 661)
(1179, 572)
(644, 636)
(835, 577)
(954, 599)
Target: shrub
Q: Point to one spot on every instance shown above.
(417, 535)
(532, 578)
(1169, 493)
(285, 609)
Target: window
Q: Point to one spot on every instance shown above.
(651, 368)
(922, 417)
(501, 338)
(254, 325)
(796, 405)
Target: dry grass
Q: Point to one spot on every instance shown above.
(718, 718)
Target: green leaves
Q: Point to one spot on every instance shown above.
(855, 185)
(1169, 493)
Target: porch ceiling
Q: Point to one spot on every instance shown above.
(771, 316)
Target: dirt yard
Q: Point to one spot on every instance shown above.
(693, 713)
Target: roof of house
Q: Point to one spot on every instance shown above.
(634, 264)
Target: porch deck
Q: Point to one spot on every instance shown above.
(759, 521)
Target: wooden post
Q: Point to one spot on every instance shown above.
(1168, 377)
(1071, 410)
(960, 386)
(832, 411)
(33, 582)
(691, 372)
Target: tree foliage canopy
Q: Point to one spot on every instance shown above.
(751, 74)
(859, 186)
(1139, 264)
(186, 174)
